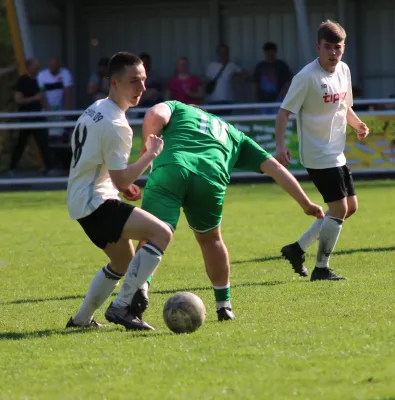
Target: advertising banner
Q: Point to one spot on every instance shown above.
(377, 151)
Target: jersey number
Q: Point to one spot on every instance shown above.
(79, 141)
(218, 128)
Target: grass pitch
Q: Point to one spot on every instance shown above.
(292, 338)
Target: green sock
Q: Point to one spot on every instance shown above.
(149, 280)
(222, 296)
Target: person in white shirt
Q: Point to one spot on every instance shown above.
(321, 97)
(220, 74)
(99, 170)
(56, 82)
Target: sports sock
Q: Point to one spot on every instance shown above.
(329, 234)
(222, 296)
(149, 280)
(103, 284)
(311, 235)
(141, 267)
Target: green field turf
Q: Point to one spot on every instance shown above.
(293, 339)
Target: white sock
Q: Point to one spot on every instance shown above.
(141, 267)
(329, 234)
(223, 304)
(103, 284)
(311, 235)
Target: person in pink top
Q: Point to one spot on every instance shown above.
(185, 87)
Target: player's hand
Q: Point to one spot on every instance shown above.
(314, 210)
(132, 193)
(283, 156)
(362, 131)
(154, 145)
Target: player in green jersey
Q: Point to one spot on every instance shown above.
(193, 171)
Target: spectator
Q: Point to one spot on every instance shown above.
(99, 84)
(220, 74)
(272, 76)
(29, 98)
(153, 84)
(185, 87)
(56, 82)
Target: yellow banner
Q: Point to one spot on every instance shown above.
(378, 149)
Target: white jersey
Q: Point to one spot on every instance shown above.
(320, 100)
(101, 141)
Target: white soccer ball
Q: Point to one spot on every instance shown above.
(184, 312)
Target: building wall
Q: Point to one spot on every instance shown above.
(46, 29)
(173, 28)
(377, 48)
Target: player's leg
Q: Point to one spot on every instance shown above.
(41, 138)
(161, 200)
(203, 209)
(331, 183)
(295, 252)
(352, 201)
(104, 228)
(19, 148)
(104, 282)
(163, 195)
(216, 261)
(111, 227)
(145, 227)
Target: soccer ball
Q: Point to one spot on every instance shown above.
(184, 312)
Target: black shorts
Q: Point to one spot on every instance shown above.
(333, 183)
(105, 225)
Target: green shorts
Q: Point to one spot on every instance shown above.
(172, 187)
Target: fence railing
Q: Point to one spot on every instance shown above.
(61, 119)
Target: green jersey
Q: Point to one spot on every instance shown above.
(207, 145)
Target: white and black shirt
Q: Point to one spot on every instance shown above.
(102, 141)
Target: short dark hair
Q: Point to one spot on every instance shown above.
(270, 46)
(146, 56)
(331, 31)
(120, 60)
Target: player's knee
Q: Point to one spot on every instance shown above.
(351, 210)
(162, 236)
(209, 238)
(338, 210)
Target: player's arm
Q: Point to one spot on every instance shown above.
(282, 153)
(20, 99)
(354, 121)
(292, 103)
(116, 146)
(156, 118)
(286, 180)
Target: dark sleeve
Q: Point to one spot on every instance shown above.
(257, 72)
(287, 72)
(20, 85)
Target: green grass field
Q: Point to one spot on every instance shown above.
(293, 339)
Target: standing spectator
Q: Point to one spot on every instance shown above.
(272, 76)
(99, 84)
(29, 98)
(153, 84)
(220, 74)
(185, 87)
(56, 82)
